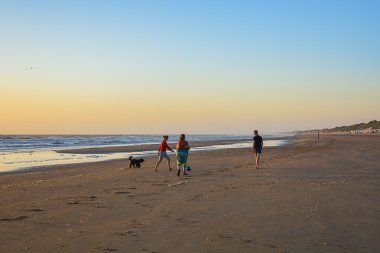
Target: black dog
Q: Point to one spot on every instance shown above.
(135, 162)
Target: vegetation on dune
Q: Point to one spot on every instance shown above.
(374, 124)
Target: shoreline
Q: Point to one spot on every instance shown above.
(145, 147)
(140, 147)
(142, 150)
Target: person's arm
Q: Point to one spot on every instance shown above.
(187, 146)
(159, 149)
(167, 146)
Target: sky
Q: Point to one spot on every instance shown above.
(195, 67)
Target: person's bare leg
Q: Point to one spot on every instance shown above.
(257, 160)
(158, 162)
(167, 158)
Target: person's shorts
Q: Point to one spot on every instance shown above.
(163, 154)
(181, 158)
(258, 150)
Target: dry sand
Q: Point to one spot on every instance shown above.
(309, 196)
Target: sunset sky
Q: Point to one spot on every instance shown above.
(147, 67)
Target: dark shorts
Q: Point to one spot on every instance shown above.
(258, 150)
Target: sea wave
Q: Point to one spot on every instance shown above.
(14, 143)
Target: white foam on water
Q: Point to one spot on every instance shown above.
(16, 161)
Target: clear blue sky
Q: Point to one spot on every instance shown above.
(302, 64)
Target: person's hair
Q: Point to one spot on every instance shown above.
(256, 132)
(165, 136)
(182, 137)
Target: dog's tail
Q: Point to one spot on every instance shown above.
(130, 158)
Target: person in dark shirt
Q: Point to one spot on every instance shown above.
(257, 147)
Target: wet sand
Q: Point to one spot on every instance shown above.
(145, 147)
(310, 196)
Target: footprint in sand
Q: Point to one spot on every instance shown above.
(225, 237)
(166, 216)
(194, 197)
(263, 184)
(79, 201)
(125, 233)
(121, 192)
(268, 245)
(247, 240)
(32, 210)
(109, 249)
(19, 218)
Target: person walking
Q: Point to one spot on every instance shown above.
(183, 148)
(257, 147)
(162, 152)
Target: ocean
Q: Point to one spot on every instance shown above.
(23, 152)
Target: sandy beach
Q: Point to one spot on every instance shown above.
(309, 196)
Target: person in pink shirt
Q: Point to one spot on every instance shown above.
(162, 152)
